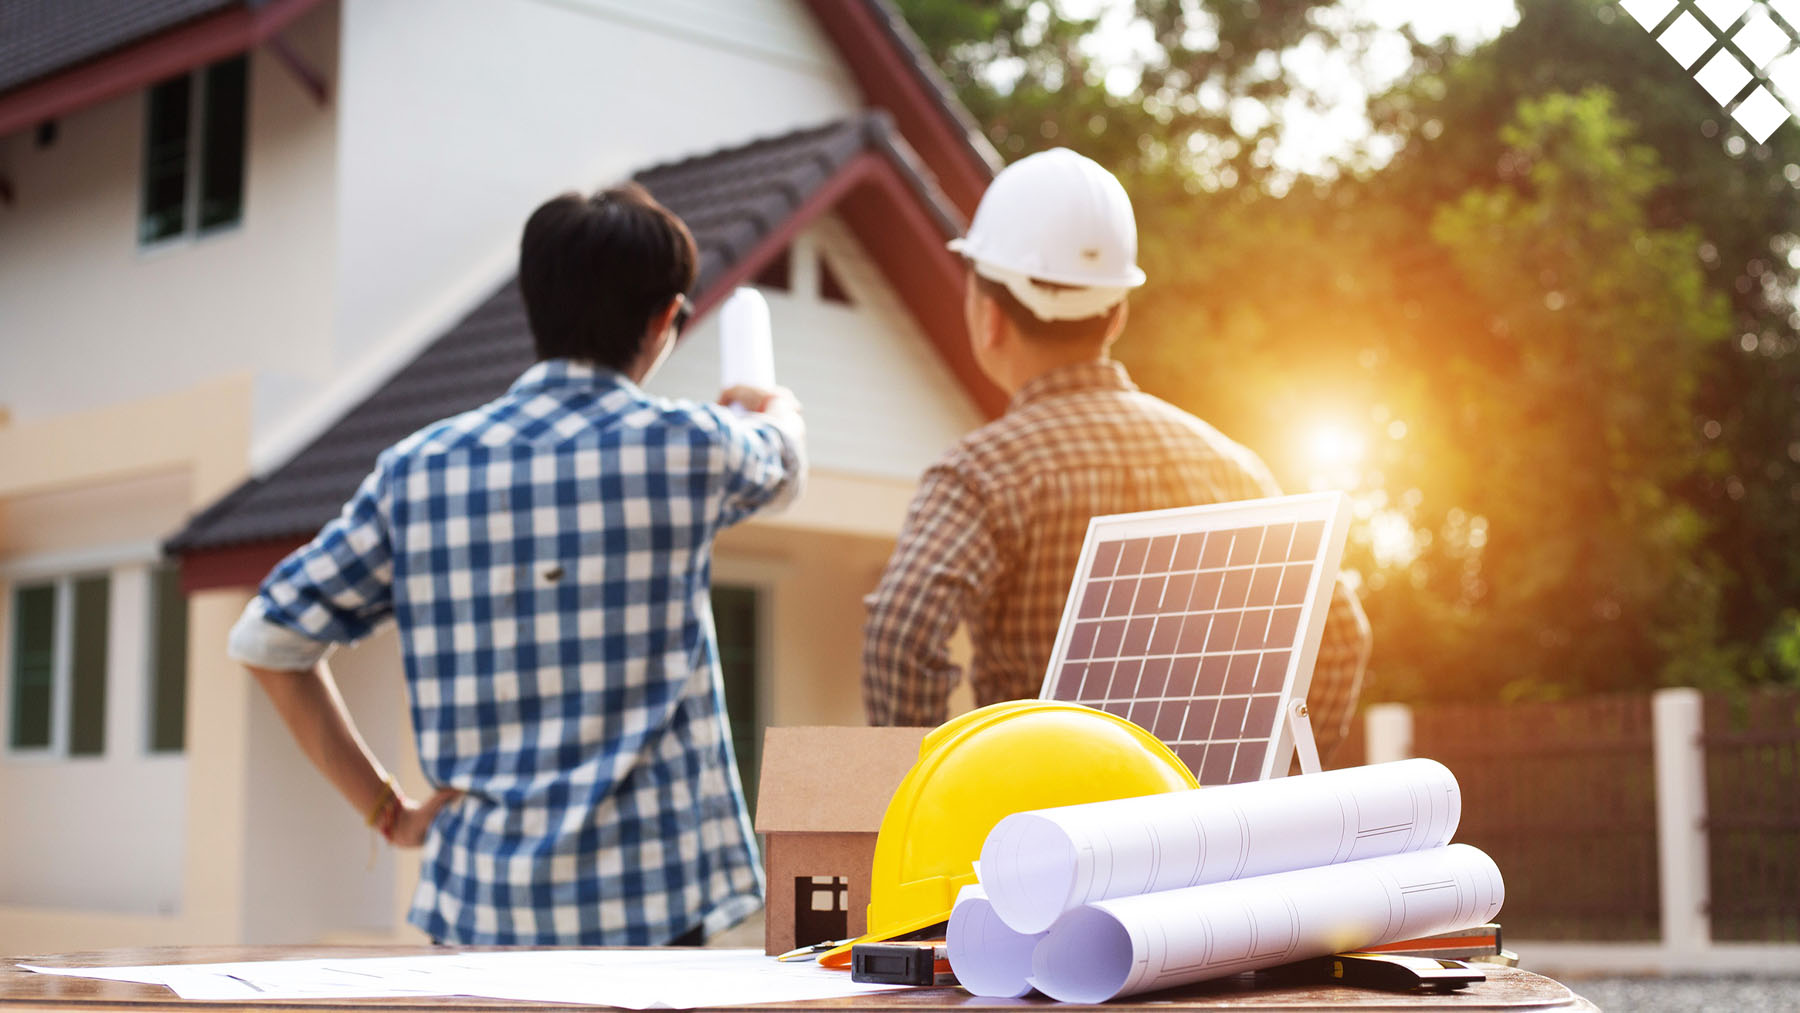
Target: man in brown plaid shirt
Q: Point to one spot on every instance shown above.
(992, 536)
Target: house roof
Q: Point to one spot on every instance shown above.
(895, 73)
(58, 56)
(38, 37)
(743, 204)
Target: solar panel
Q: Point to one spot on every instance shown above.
(1201, 625)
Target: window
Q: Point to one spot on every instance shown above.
(34, 663)
(735, 617)
(194, 153)
(58, 665)
(830, 288)
(777, 274)
(168, 661)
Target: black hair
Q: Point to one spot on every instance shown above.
(593, 270)
(1087, 330)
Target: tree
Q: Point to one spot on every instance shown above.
(1738, 197)
(1571, 383)
(1533, 314)
(1025, 70)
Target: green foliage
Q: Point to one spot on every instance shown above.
(1023, 68)
(1738, 197)
(1578, 473)
(1575, 400)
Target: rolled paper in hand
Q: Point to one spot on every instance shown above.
(746, 349)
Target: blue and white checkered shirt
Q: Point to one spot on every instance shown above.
(547, 558)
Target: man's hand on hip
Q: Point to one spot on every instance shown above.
(415, 818)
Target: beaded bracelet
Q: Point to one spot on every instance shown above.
(386, 809)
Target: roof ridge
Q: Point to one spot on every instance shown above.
(861, 120)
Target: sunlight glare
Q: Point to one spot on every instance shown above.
(1392, 540)
(1333, 446)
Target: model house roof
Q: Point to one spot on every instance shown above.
(832, 780)
(744, 206)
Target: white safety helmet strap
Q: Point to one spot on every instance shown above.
(1052, 302)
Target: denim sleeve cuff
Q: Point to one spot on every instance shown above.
(257, 640)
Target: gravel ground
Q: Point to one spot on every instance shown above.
(1689, 995)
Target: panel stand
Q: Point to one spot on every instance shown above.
(1305, 747)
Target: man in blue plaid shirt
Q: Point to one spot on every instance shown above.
(547, 558)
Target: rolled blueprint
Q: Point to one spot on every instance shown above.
(988, 958)
(1160, 940)
(1036, 865)
(746, 349)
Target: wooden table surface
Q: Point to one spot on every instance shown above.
(1506, 988)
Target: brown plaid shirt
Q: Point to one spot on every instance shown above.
(992, 537)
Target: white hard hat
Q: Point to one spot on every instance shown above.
(1056, 217)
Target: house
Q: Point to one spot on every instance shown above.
(823, 794)
(243, 245)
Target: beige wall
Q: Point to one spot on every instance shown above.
(812, 635)
(109, 477)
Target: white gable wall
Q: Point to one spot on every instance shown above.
(88, 318)
(879, 401)
(459, 117)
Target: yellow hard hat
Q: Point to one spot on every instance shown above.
(981, 767)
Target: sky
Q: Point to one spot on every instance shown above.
(1315, 137)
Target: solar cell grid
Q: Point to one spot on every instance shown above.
(1195, 631)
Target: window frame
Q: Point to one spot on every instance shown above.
(62, 570)
(198, 94)
(152, 629)
(763, 578)
(62, 663)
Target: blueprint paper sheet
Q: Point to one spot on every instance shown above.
(635, 979)
(1159, 940)
(1037, 865)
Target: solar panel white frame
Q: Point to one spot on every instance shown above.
(1211, 659)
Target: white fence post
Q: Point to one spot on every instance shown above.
(1387, 732)
(1681, 820)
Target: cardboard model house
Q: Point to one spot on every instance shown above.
(820, 802)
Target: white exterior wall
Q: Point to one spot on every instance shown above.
(307, 871)
(66, 816)
(879, 401)
(461, 116)
(88, 318)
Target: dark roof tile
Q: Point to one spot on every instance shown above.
(41, 37)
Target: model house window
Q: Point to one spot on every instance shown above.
(821, 909)
(58, 664)
(168, 661)
(194, 153)
(735, 617)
